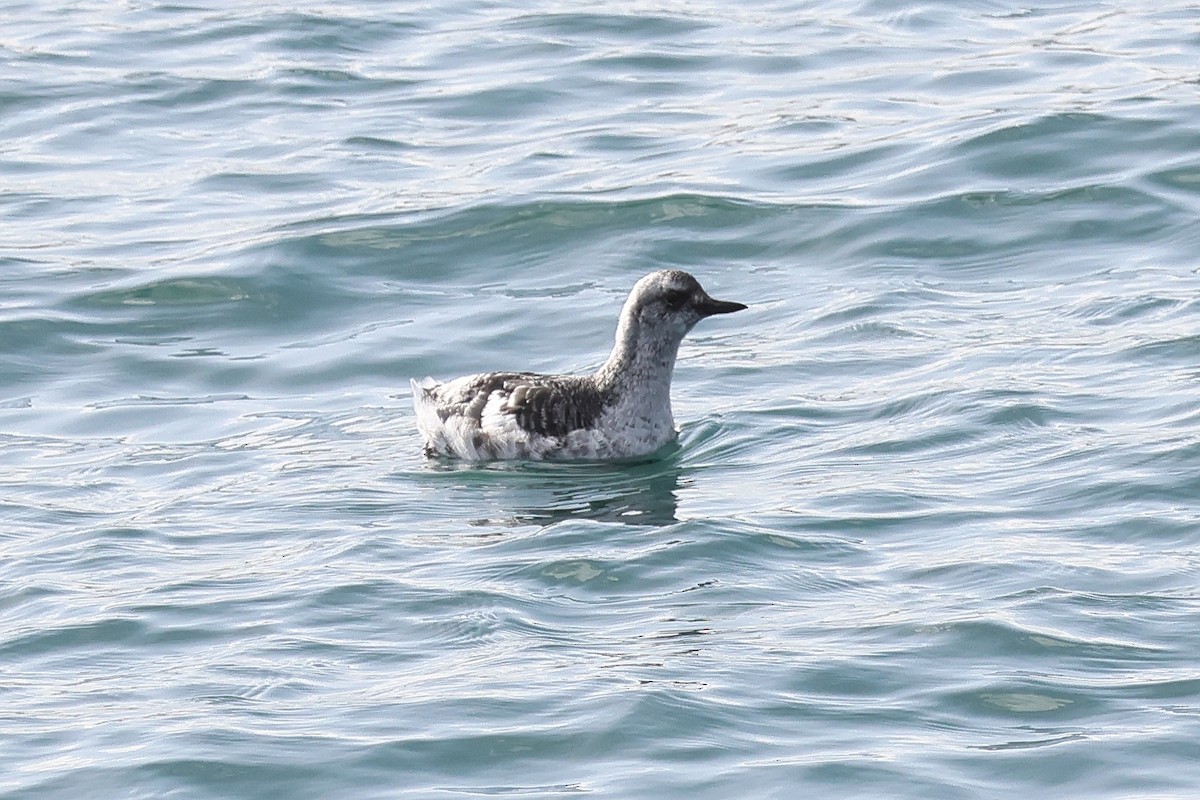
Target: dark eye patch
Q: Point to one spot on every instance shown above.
(675, 298)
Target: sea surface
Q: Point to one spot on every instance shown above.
(932, 526)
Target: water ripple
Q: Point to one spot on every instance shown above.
(930, 526)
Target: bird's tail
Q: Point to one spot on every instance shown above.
(425, 406)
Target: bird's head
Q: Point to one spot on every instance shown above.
(670, 302)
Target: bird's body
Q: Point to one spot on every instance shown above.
(622, 411)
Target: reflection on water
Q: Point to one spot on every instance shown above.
(642, 493)
(632, 500)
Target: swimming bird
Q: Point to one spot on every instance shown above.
(621, 411)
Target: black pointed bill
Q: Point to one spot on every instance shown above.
(708, 307)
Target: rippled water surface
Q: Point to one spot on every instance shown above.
(932, 527)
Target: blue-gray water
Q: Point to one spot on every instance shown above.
(933, 527)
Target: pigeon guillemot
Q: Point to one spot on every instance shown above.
(622, 411)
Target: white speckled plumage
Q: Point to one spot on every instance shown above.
(621, 411)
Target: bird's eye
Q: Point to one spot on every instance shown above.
(675, 298)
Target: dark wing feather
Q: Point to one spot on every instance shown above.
(541, 404)
(555, 407)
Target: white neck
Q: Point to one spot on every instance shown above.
(640, 366)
